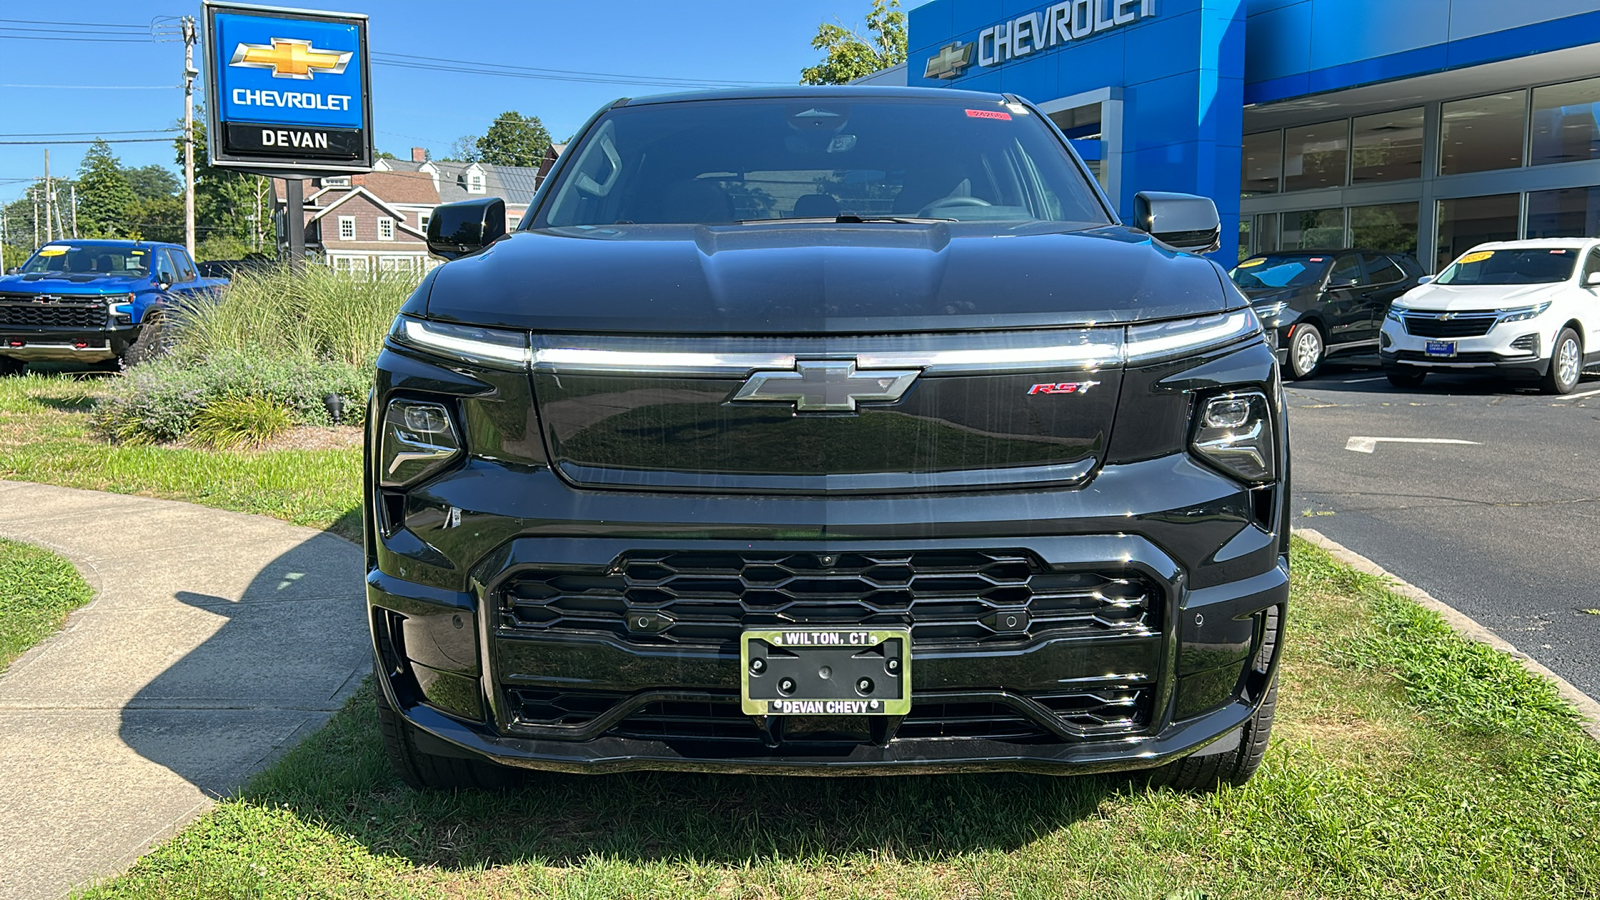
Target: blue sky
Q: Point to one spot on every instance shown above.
(749, 41)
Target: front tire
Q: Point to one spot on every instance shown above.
(1207, 771)
(1566, 363)
(428, 771)
(1306, 349)
(10, 367)
(151, 342)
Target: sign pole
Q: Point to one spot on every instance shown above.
(190, 36)
(294, 195)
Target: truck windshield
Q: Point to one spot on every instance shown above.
(852, 159)
(1266, 272)
(69, 259)
(1543, 265)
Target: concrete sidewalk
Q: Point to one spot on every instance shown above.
(215, 641)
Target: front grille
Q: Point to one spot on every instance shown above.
(1459, 325)
(28, 311)
(1106, 711)
(1468, 358)
(946, 597)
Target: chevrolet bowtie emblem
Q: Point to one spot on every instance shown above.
(1446, 317)
(826, 385)
(951, 61)
(289, 58)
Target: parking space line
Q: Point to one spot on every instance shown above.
(1362, 380)
(1580, 396)
(1368, 444)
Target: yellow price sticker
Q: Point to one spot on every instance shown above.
(1252, 262)
(1474, 257)
(54, 251)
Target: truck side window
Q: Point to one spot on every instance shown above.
(181, 266)
(165, 271)
(1590, 266)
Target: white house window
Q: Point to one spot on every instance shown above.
(475, 182)
(347, 228)
(385, 229)
(338, 181)
(422, 221)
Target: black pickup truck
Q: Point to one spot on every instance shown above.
(819, 431)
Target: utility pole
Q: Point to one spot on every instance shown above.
(49, 194)
(190, 38)
(74, 210)
(34, 193)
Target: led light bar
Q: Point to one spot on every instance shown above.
(1149, 342)
(484, 346)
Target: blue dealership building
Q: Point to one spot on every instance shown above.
(1418, 125)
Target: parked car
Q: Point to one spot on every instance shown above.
(230, 268)
(94, 301)
(1321, 303)
(1524, 309)
(826, 430)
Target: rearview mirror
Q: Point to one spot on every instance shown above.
(1181, 221)
(457, 229)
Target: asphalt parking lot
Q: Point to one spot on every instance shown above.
(1504, 524)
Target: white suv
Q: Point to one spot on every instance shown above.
(1527, 308)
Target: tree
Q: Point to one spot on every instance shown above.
(514, 140)
(156, 219)
(228, 203)
(149, 182)
(464, 150)
(851, 56)
(104, 194)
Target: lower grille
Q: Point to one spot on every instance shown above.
(1470, 358)
(1458, 325)
(30, 313)
(1102, 712)
(947, 597)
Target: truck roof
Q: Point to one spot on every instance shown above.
(818, 92)
(105, 242)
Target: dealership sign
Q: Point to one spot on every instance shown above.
(288, 90)
(1035, 32)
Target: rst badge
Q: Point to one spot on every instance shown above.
(1064, 387)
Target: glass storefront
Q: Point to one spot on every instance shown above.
(1263, 163)
(1566, 122)
(1314, 156)
(1574, 212)
(1390, 226)
(1469, 221)
(1480, 134)
(1312, 229)
(1386, 147)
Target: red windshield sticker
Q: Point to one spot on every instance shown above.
(987, 114)
(1559, 252)
(1318, 258)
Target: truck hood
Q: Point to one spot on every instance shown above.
(791, 278)
(73, 285)
(1465, 298)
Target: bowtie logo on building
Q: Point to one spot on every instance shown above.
(950, 62)
(290, 58)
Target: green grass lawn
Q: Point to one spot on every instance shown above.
(37, 590)
(45, 437)
(1407, 762)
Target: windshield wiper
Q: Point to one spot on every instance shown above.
(852, 219)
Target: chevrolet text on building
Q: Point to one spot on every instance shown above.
(291, 89)
(1062, 23)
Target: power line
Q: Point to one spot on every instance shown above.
(36, 134)
(95, 87)
(84, 24)
(85, 40)
(470, 67)
(165, 140)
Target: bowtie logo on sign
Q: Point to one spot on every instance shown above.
(951, 61)
(289, 58)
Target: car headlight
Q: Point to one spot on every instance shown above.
(1234, 433)
(1522, 313)
(419, 439)
(1146, 343)
(491, 347)
(1268, 310)
(1396, 311)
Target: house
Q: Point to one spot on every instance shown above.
(378, 221)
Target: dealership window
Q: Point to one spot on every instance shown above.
(1386, 147)
(1566, 122)
(385, 229)
(1312, 229)
(1263, 163)
(1482, 133)
(1266, 233)
(1470, 221)
(347, 228)
(1574, 212)
(1390, 226)
(1314, 156)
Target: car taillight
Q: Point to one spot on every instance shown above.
(419, 439)
(1234, 433)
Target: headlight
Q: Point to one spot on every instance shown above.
(1396, 311)
(1234, 433)
(1186, 336)
(1522, 313)
(1268, 310)
(491, 347)
(419, 439)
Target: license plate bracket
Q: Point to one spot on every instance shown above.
(1440, 348)
(826, 672)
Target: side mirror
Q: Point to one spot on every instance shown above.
(163, 285)
(13, 270)
(1426, 279)
(1592, 279)
(457, 229)
(1181, 221)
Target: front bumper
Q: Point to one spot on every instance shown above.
(61, 345)
(1516, 348)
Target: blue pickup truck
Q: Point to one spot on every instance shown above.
(94, 301)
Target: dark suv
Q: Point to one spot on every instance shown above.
(1320, 303)
(821, 431)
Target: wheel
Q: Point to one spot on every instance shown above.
(1305, 350)
(1405, 378)
(428, 771)
(1566, 363)
(151, 343)
(9, 367)
(1204, 772)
